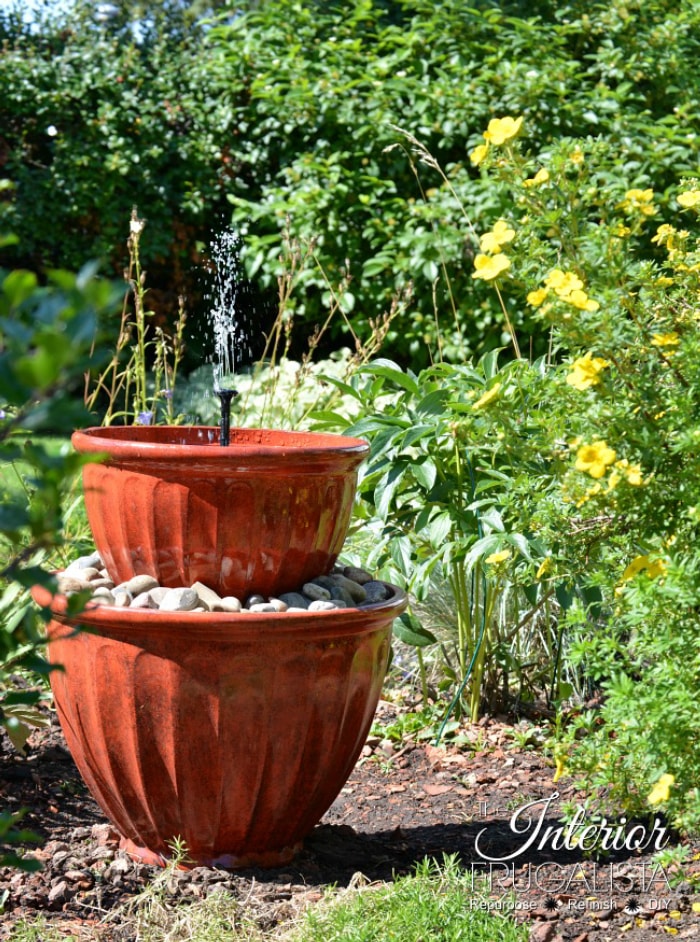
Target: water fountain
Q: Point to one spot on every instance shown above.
(231, 731)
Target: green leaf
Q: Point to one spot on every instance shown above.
(389, 370)
(425, 473)
(409, 629)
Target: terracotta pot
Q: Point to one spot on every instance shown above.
(233, 732)
(264, 514)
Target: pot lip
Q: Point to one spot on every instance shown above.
(163, 442)
(309, 625)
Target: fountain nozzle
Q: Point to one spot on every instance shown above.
(225, 395)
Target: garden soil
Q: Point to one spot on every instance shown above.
(402, 803)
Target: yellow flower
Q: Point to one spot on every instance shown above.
(576, 157)
(499, 557)
(560, 769)
(488, 396)
(651, 567)
(581, 300)
(536, 298)
(689, 199)
(489, 267)
(662, 790)
(563, 282)
(544, 568)
(665, 340)
(585, 370)
(478, 154)
(501, 130)
(594, 459)
(640, 201)
(541, 176)
(632, 472)
(501, 233)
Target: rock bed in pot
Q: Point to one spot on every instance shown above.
(344, 587)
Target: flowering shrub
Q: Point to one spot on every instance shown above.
(583, 483)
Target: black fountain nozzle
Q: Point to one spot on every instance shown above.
(225, 395)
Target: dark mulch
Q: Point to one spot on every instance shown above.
(397, 808)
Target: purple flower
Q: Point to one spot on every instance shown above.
(144, 418)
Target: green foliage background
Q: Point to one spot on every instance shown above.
(279, 116)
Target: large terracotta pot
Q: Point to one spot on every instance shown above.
(264, 514)
(232, 732)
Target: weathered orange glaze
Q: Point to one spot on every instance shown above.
(232, 732)
(264, 514)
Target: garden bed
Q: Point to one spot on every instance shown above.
(402, 803)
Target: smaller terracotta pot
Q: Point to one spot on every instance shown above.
(264, 514)
(232, 732)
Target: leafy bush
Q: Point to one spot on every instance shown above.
(585, 476)
(48, 337)
(318, 150)
(289, 111)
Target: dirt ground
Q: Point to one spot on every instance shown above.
(401, 804)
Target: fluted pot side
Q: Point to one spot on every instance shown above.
(237, 744)
(265, 514)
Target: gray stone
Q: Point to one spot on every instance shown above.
(263, 607)
(143, 600)
(122, 598)
(339, 594)
(229, 603)
(89, 573)
(179, 600)
(255, 600)
(316, 592)
(324, 605)
(158, 594)
(208, 597)
(360, 576)
(101, 583)
(294, 600)
(376, 591)
(278, 604)
(91, 561)
(355, 590)
(103, 596)
(138, 584)
(67, 585)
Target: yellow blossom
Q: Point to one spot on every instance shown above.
(536, 298)
(665, 235)
(489, 267)
(581, 300)
(478, 154)
(670, 339)
(662, 790)
(541, 176)
(640, 201)
(632, 472)
(576, 156)
(594, 459)
(499, 557)
(488, 396)
(501, 233)
(563, 282)
(651, 567)
(560, 769)
(501, 130)
(689, 199)
(585, 370)
(591, 492)
(544, 567)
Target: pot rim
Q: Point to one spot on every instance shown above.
(196, 441)
(308, 625)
